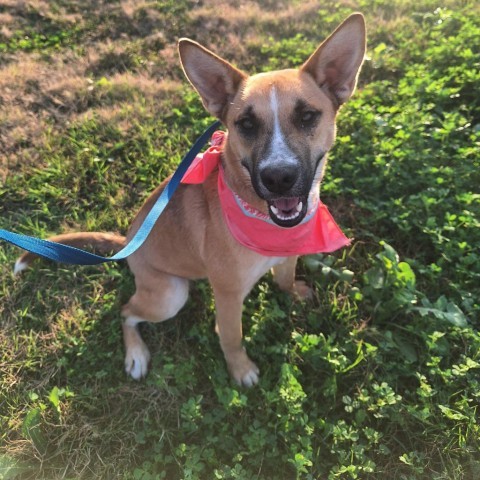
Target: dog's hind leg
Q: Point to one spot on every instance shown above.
(284, 277)
(154, 301)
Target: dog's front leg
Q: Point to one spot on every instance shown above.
(284, 277)
(229, 329)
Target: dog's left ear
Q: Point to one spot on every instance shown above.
(336, 62)
(214, 79)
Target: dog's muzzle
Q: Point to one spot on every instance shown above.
(281, 187)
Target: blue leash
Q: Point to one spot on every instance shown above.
(67, 254)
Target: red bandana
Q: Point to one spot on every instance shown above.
(317, 233)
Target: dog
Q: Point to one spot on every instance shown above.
(280, 127)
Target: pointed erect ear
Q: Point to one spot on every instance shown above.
(214, 79)
(336, 62)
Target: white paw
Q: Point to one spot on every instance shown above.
(136, 361)
(244, 371)
(250, 378)
(19, 267)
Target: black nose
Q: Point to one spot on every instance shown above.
(279, 179)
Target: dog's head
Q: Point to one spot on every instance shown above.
(280, 124)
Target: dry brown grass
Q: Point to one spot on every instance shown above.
(40, 95)
(35, 96)
(248, 14)
(232, 27)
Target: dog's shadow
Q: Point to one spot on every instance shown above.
(69, 319)
(66, 319)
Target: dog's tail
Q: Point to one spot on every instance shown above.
(101, 242)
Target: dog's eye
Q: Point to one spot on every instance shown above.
(247, 125)
(308, 118)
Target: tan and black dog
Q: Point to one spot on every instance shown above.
(280, 127)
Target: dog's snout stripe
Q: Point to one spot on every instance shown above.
(279, 151)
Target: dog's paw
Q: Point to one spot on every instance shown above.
(250, 378)
(302, 291)
(245, 373)
(137, 359)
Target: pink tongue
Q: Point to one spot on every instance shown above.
(286, 204)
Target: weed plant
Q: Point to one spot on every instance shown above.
(376, 378)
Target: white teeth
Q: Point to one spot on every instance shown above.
(299, 206)
(277, 213)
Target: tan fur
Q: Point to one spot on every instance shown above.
(191, 240)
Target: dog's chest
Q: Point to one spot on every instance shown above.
(261, 266)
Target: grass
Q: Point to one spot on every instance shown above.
(376, 377)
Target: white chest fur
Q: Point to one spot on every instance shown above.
(261, 266)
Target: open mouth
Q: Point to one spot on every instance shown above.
(287, 212)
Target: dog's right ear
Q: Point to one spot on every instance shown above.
(214, 79)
